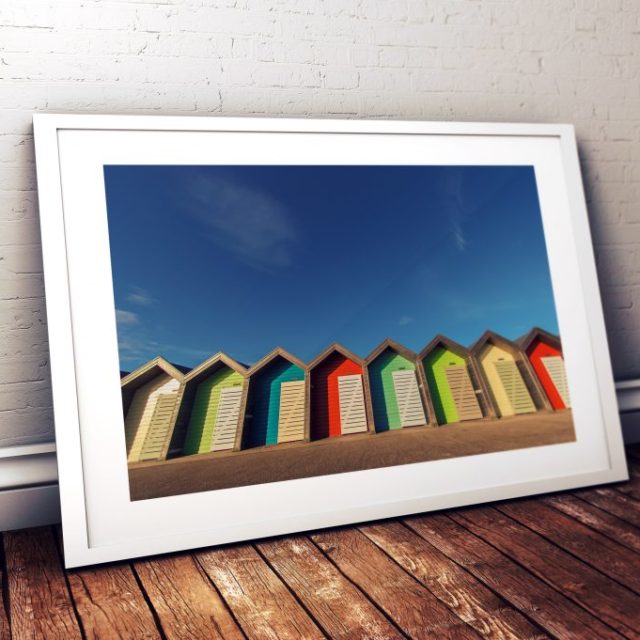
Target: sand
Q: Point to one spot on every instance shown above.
(206, 472)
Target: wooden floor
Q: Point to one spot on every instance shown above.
(564, 566)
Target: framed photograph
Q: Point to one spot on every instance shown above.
(262, 326)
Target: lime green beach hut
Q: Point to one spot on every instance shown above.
(149, 397)
(209, 411)
(398, 396)
(456, 387)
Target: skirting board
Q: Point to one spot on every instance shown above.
(29, 507)
(28, 476)
(28, 486)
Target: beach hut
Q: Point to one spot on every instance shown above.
(397, 397)
(338, 399)
(275, 406)
(545, 354)
(209, 402)
(149, 396)
(509, 376)
(456, 388)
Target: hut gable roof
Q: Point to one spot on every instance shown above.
(149, 370)
(447, 343)
(494, 338)
(527, 339)
(335, 348)
(277, 352)
(213, 363)
(388, 343)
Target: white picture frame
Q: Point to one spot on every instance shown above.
(100, 522)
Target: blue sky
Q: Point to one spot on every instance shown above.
(242, 259)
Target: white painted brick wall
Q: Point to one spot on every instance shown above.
(498, 60)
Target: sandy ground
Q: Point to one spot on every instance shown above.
(209, 471)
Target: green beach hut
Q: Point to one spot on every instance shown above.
(210, 402)
(457, 389)
(397, 393)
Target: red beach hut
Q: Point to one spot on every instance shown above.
(339, 398)
(544, 351)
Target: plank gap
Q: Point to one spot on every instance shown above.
(632, 583)
(154, 613)
(579, 600)
(356, 586)
(291, 591)
(56, 532)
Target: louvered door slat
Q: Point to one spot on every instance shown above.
(159, 427)
(140, 415)
(408, 398)
(291, 421)
(353, 417)
(514, 387)
(555, 368)
(464, 395)
(226, 424)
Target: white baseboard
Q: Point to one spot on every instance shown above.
(29, 507)
(29, 479)
(28, 486)
(628, 393)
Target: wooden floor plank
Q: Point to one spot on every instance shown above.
(110, 603)
(260, 601)
(599, 520)
(186, 603)
(633, 452)
(339, 607)
(606, 599)
(472, 601)
(588, 545)
(40, 604)
(564, 565)
(407, 602)
(4, 601)
(632, 487)
(614, 502)
(537, 600)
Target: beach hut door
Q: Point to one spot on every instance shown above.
(291, 420)
(159, 427)
(464, 396)
(353, 417)
(408, 398)
(514, 387)
(555, 368)
(226, 425)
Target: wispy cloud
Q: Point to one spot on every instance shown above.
(245, 221)
(140, 297)
(457, 208)
(458, 236)
(137, 347)
(405, 320)
(126, 317)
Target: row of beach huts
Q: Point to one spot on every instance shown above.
(224, 406)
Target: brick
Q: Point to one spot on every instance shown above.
(548, 60)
